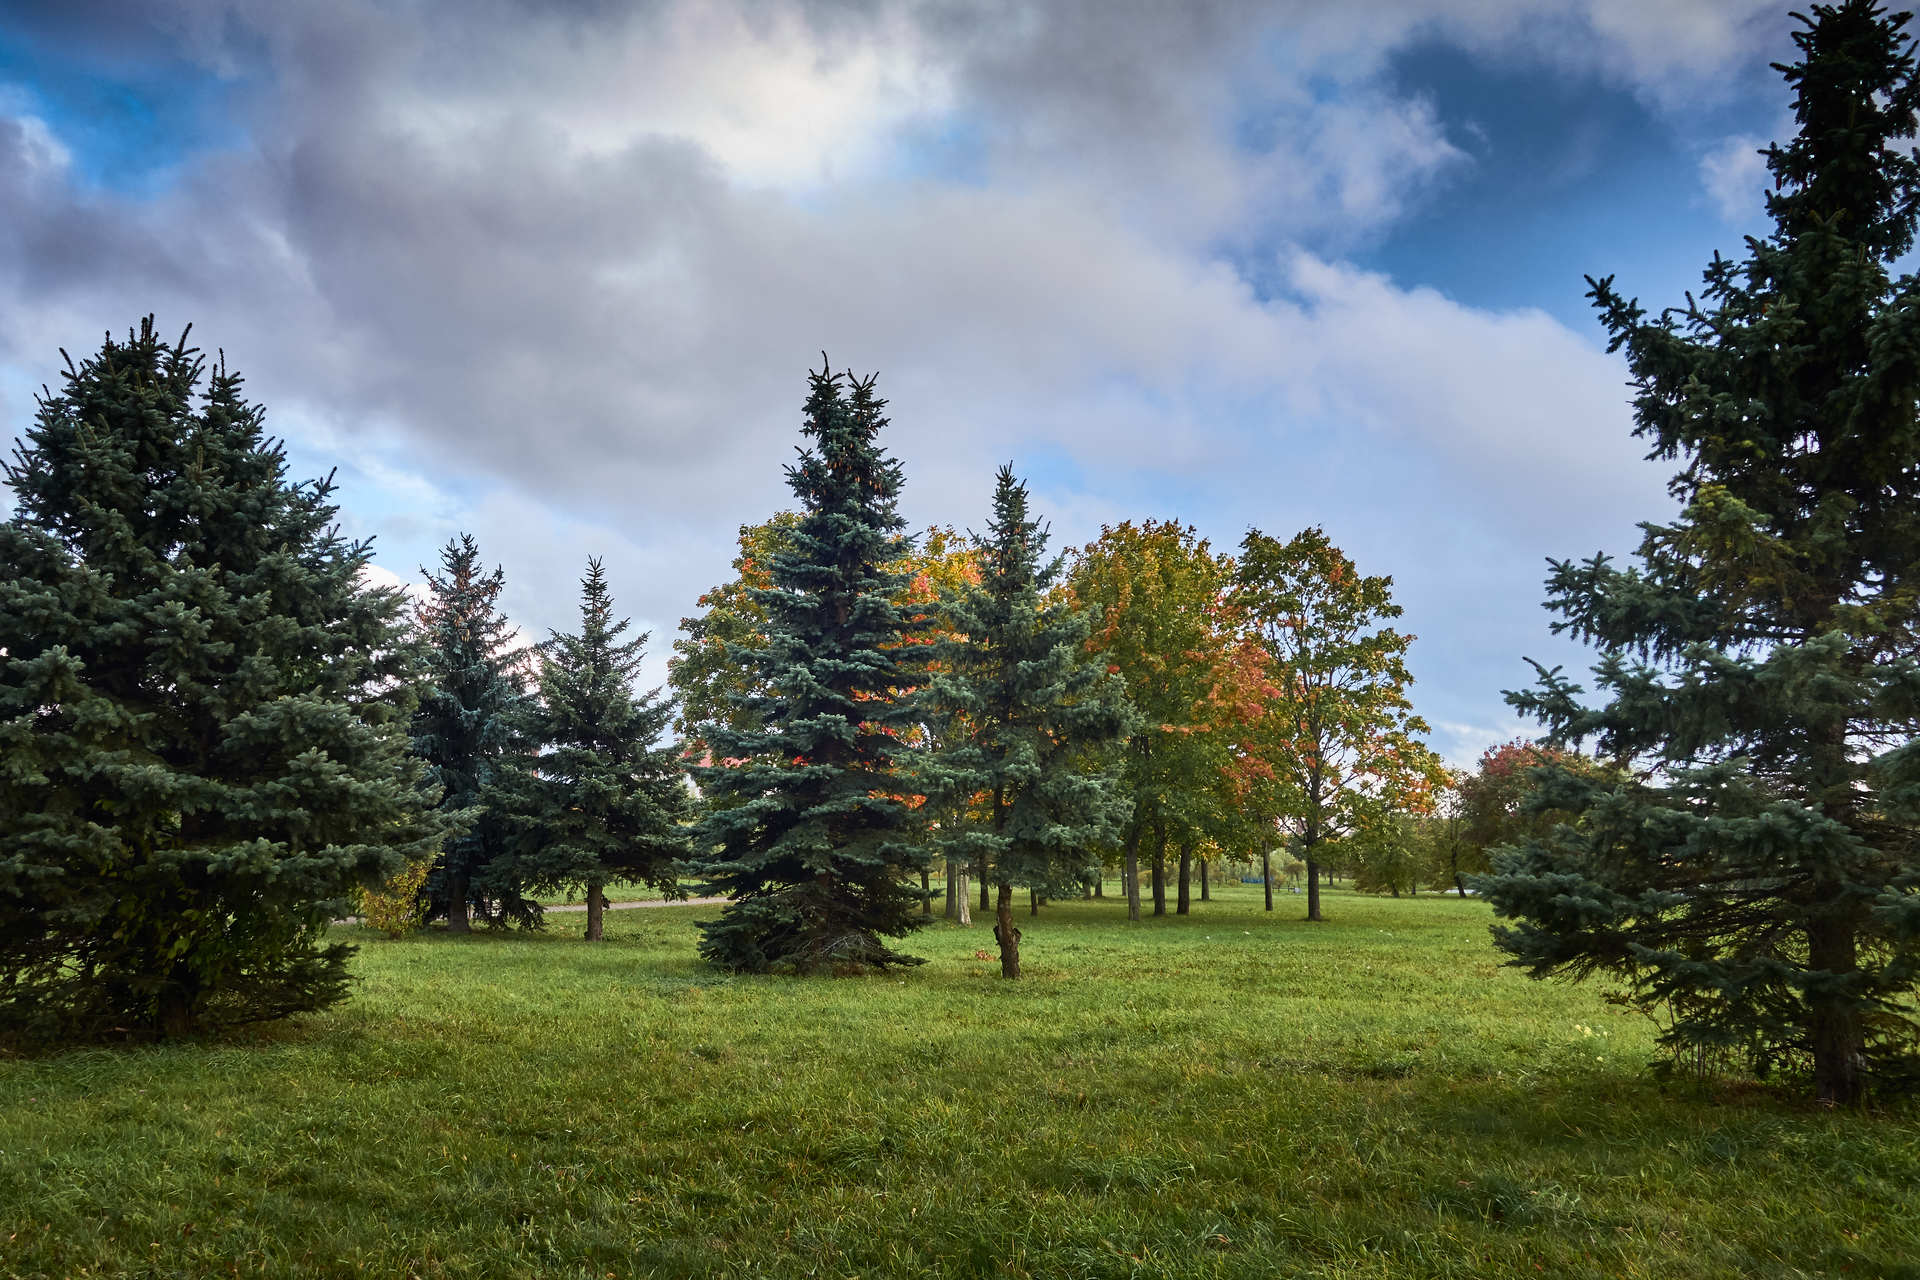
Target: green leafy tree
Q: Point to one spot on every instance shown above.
(1496, 804)
(1757, 881)
(604, 800)
(804, 827)
(1033, 709)
(1342, 740)
(1154, 592)
(1451, 854)
(469, 728)
(202, 712)
(716, 656)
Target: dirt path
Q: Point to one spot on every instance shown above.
(611, 906)
(651, 902)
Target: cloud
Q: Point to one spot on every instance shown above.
(553, 273)
(1735, 177)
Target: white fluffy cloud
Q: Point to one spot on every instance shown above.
(553, 274)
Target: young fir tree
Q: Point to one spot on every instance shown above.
(1033, 709)
(1760, 881)
(803, 828)
(470, 730)
(202, 712)
(603, 800)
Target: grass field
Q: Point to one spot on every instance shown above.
(1225, 1094)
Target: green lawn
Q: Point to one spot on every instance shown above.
(1226, 1094)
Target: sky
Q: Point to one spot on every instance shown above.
(554, 273)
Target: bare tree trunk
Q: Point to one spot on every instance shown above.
(596, 908)
(1839, 1039)
(457, 902)
(1186, 878)
(1132, 873)
(1033, 902)
(1006, 935)
(1206, 894)
(980, 868)
(1159, 869)
(1266, 874)
(926, 891)
(954, 876)
(1100, 884)
(1313, 886)
(965, 901)
(176, 1002)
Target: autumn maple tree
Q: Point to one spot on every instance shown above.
(1155, 592)
(1341, 739)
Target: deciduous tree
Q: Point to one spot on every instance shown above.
(1343, 736)
(1154, 591)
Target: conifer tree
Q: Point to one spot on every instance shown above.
(1035, 713)
(1757, 880)
(604, 800)
(803, 827)
(470, 729)
(202, 712)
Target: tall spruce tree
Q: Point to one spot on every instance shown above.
(202, 712)
(470, 729)
(1034, 715)
(1759, 879)
(604, 800)
(803, 827)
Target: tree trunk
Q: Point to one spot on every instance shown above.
(1206, 894)
(1100, 884)
(1266, 874)
(1839, 1039)
(1159, 870)
(980, 868)
(175, 1010)
(926, 891)
(596, 907)
(457, 903)
(1006, 935)
(954, 875)
(1186, 879)
(965, 901)
(1132, 873)
(1313, 886)
(1033, 902)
